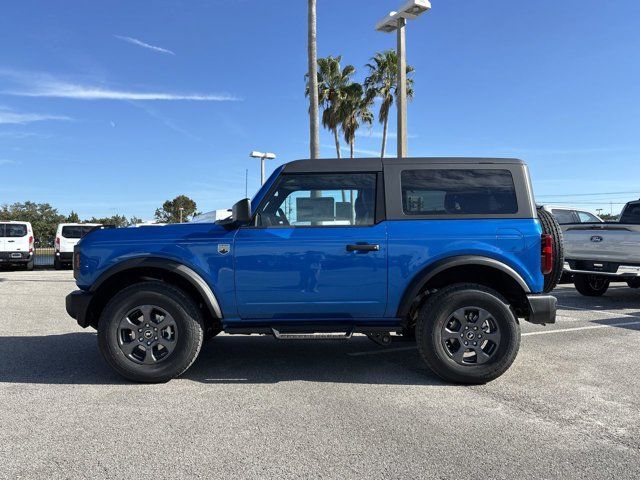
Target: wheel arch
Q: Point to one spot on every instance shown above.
(137, 270)
(465, 268)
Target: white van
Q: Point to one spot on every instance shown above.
(16, 244)
(67, 237)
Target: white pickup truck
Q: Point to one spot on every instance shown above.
(599, 253)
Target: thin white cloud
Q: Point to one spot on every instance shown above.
(43, 85)
(8, 116)
(377, 134)
(142, 44)
(4, 161)
(372, 153)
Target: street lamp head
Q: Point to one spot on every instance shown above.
(267, 155)
(409, 11)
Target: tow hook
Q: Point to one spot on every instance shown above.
(381, 338)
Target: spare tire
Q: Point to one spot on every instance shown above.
(550, 226)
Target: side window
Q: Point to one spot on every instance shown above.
(1, 229)
(586, 217)
(321, 200)
(458, 192)
(564, 216)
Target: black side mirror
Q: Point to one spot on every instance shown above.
(241, 212)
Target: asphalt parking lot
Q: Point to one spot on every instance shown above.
(252, 407)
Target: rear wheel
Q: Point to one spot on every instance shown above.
(56, 263)
(591, 285)
(466, 333)
(550, 226)
(29, 266)
(150, 332)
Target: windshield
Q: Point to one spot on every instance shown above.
(631, 213)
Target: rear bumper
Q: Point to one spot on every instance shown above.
(77, 304)
(605, 269)
(542, 309)
(7, 258)
(64, 256)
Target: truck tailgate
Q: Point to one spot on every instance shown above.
(609, 242)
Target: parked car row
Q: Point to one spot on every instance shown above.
(17, 246)
(597, 252)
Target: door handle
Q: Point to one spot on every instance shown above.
(363, 247)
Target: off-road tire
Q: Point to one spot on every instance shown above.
(435, 312)
(586, 284)
(188, 321)
(29, 266)
(57, 265)
(550, 226)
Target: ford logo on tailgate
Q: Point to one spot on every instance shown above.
(596, 239)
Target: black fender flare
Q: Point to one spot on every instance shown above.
(168, 265)
(420, 280)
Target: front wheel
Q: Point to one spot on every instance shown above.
(150, 332)
(591, 285)
(466, 333)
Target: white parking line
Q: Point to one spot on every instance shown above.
(544, 332)
(617, 314)
(591, 327)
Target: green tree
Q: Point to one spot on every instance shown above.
(333, 82)
(43, 218)
(73, 217)
(171, 210)
(115, 220)
(382, 82)
(355, 110)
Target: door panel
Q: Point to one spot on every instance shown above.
(308, 272)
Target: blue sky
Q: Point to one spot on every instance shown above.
(113, 107)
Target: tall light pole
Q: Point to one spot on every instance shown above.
(181, 210)
(397, 21)
(262, 157)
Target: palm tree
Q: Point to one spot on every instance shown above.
(382, 82)
(333, 82)
(314, 129)
(355, 111)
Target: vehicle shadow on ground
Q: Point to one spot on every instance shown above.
(73, 358)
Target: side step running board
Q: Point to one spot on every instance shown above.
(312, 336)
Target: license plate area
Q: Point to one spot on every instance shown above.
(16, 255)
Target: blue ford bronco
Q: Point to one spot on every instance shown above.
(450, 253)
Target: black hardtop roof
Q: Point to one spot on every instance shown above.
(375, 164)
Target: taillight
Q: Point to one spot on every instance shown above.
(31, 244)
(57, 243)
(546, 259)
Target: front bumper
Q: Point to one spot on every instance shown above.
(542, 309)
(77, 304)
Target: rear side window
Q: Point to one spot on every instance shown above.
(631, 214)
(76, 231)
(458, 192)
(13, 230)
(564, 217)
(586, 217)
